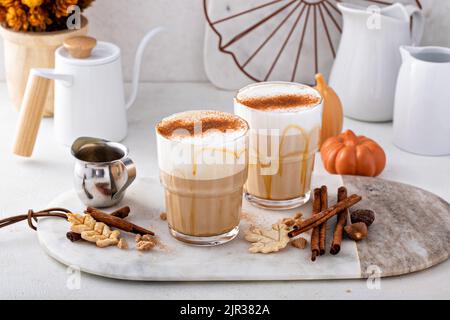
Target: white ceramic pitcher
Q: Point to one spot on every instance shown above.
(422, 101)
(89, 93)
(365, 70)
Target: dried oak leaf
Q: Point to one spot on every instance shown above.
(266, 241)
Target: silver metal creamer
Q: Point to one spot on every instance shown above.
(103, 171)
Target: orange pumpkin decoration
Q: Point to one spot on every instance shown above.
(347, 153)
(332, 116)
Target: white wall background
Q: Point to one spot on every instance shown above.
(177, 55)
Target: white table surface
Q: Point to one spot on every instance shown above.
(27, 272)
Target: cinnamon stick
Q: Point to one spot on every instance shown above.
(323, 226)
(116, 222)
(323, 216)
(121, 213)
(315, 233)
(340, 224)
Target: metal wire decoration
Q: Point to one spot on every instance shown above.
(267, 37)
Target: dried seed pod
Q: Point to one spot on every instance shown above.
(356, 231)
(363, 215)
(147, 237)
(299, 243)
(72, 236)
(288, 222)
(123, 244)
(298, 215)
(145, 245)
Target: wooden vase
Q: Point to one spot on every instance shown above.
(26, 50)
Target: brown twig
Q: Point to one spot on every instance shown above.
(323, 226)
(323, 216)
(340, 224)
(315, 233)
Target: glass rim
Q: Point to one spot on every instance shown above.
(300, 110)
(243, 135)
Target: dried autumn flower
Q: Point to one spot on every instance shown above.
(16, 17)
(2, 15)
(39, 19)
(7, 3)
(37, 15)
(60, 7)
(32, 3)
(84, 3)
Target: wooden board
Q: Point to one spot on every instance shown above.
(412, 229)
(411, 232)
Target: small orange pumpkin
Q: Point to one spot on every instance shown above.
(347, 153)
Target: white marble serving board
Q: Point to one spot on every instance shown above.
(176, 261)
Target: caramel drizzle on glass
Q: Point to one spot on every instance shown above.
(303, 153)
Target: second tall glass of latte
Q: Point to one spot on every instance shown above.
(285, 120)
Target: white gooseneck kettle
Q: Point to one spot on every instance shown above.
(89, 93)
(365, 71)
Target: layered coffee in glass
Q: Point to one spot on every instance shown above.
(203, 161)
(285, 120)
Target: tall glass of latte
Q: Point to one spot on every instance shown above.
(203, 161)
(285, 120)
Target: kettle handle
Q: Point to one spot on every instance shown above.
(31, 112)
(418, 23)
(32, 109)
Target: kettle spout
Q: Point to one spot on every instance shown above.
(137, 64)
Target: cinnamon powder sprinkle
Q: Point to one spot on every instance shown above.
(280, 102)
(190, 123)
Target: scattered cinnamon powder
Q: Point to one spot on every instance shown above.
(191, 123)
(285, 101)
(163, 247)
(248, 217)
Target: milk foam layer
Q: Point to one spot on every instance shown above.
(308, 118)
(202, 127)
(209, 145)
(278, 97)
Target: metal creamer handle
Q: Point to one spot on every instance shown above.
(128, 166)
